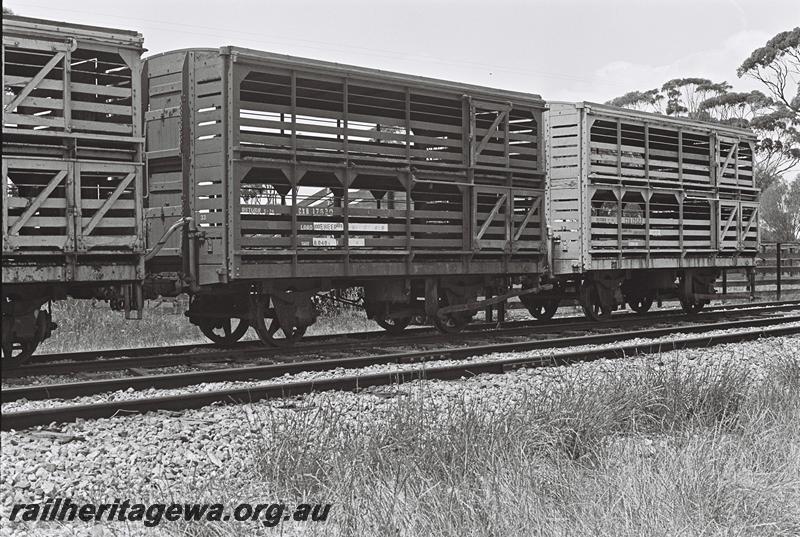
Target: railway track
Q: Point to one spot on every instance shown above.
(773, 326)
(187, 355)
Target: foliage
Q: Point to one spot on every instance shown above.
(7, 11)
(774, 116)
(686, 95)
(645, 101)
(777, 66)
(780, 210)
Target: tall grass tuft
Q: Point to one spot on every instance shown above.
(674, 449)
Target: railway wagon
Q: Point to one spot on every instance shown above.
(273, 177)
(72, 172)
(643, 206)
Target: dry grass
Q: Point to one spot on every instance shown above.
(89, 325)
(641, 451)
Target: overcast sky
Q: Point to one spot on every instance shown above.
(562, 50)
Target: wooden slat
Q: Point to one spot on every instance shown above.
(110, 91)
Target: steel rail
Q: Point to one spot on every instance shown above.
(68, 413)
(261, 352)
(146, 351)
(264, 372)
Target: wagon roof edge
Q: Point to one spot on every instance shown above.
(20, 23)
(678, 121)
(369, 71)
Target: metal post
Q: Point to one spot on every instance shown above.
(724, 281)
(779, 270)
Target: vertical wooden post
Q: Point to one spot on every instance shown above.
(779, 269)
(68, 92)
(5, 204)
(345, 178)
(646, 152)
(619, 147)
(680, 157)
(724, 281)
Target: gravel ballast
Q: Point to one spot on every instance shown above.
(159, 456)
(131, 394)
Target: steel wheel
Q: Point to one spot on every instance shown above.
(392, 325)
(268, 327)
(220, 330)
(693, 308)
(640, 304)
(593, 309)
(544, 310)
(17, 353)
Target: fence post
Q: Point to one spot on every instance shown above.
(724, 281)
(778, 264)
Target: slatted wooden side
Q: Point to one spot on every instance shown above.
(67, 80)
(309, 116)
(332, 166)
(164, 76)
(209, 188)
(646, 191)
(564, 197)
(72, 145)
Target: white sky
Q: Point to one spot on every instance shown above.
(560, 49)
(563, 50)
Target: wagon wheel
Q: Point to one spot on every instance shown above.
(17, 353)
(640, 304)
(220, 330)
(689, 303)
(267, 325)
(691, 307)
(544, 310)
(592, 307)
(394, 326)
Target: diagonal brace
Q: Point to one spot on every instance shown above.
(750, 223)
(536, 203)
(491, 216)
(34, 82)
(492, 130)
(728, 223)
(728, 159)
(37, 202)
(109, 202)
